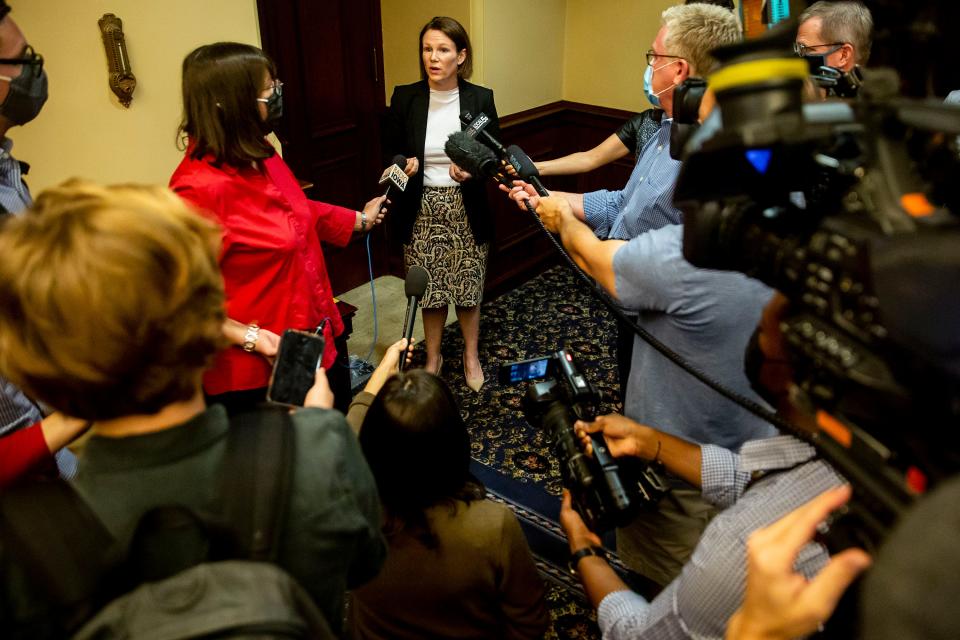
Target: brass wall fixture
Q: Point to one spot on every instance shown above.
(122, 80)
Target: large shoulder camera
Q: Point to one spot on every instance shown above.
(606, 492)
(848, 209)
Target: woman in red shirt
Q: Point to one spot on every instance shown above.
(273, 267)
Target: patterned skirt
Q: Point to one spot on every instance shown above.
(443, 244)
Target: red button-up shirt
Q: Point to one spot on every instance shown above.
(273, 267)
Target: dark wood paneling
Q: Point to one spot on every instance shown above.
(327, 54)
(520, 249)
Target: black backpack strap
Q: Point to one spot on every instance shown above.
(257, 479)
(53, 534)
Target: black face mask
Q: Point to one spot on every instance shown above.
(814, 62)
(274, 110)
(28, 93)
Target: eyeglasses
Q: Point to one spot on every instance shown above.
(653, 55)
(277, 88)
(28, 58)
(804, 50)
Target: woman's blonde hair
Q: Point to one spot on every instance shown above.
(112, 299)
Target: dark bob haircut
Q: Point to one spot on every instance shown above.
(418, 449)
(455, 31)
(221, 84)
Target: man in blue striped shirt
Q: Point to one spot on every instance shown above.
(706, 316)
(23, 91)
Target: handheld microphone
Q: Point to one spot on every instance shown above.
(513, 154)
(476, 126)
(394, 177)
(414, 287)
(472, 156)
(525, 168)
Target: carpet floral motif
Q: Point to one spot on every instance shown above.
(549, 312)
(552, 311)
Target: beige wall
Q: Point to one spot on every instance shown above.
(401, 21)
(537, 51)
(531, 53)
(605, 45)
(523, 52)
(83, 130)
(517, 46)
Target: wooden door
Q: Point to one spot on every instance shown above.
(328, 56)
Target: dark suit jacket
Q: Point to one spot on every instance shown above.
(404, 130)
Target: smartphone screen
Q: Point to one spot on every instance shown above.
(514, 372)
(295, 368)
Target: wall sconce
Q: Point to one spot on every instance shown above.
(122, 80)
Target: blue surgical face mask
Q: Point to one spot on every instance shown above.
(654, 98)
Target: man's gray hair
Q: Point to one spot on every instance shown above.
(694, 30)
(843, 21)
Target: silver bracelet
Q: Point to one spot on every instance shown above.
(363, 220)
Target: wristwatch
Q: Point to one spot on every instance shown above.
(250, 338)
(579, 555)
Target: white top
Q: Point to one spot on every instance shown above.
(443, 118)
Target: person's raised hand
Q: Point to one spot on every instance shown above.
(553, 212)
(579, 535)
(375, 210)
(320, 394)
(413, 165)
(267, 344)
(388, 366)
(520, 193)
(391, 357)
(457, 174)
(624, 437)
(779, 602)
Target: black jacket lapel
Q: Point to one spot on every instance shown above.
(418, 117)
(468, 100)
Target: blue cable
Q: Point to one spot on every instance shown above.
(373, 297)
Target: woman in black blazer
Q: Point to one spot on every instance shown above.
(442, 215)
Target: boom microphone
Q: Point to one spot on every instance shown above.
(394, 177)
(414, 287)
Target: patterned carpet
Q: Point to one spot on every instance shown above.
(512, 458)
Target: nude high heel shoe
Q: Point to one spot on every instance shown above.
(474, 383)
(439, 366)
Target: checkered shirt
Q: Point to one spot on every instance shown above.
(710, 588)
(646, 202)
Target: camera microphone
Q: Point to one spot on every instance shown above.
(414, 287)
(394, 177)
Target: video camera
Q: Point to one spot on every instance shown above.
(849, 210)
(607, 493)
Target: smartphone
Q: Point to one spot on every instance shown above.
(294, 370)
(513, 372)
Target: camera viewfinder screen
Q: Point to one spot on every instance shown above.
(521, 371)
